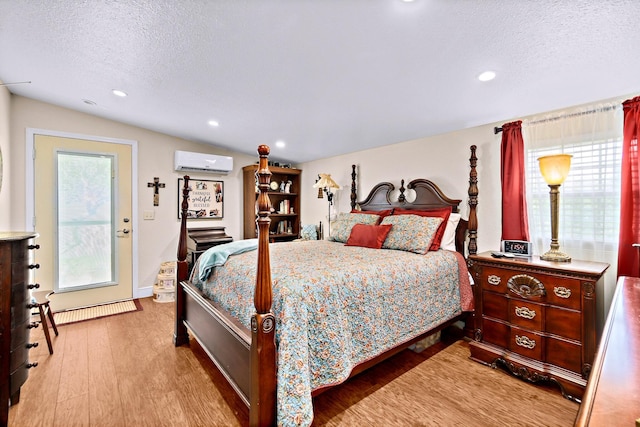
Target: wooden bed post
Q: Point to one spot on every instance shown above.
(473, 202)
(262, 410)
(354, 196)
(180, 334)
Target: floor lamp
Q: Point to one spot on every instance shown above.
(326, 184)
(554, 170)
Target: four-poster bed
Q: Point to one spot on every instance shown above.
(246, 352)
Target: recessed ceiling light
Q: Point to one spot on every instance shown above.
(213, 123)
(486, 76)
(280, 144)
(120, 93)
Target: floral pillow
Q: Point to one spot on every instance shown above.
(411, 233)
(443, 213)
(381, 214)
(341, 228)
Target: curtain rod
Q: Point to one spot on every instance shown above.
(14, 83)
(497, 130)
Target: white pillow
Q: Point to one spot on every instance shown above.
(449, 236)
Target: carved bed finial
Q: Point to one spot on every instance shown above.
(473, 203)
(401, 198)
(354, 195)
(180, 334)
(262, 295)
(184, 207)
(263, 348)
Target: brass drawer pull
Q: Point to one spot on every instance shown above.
(525, 313)
(526, 286)
(493, 280)
(525, 342)
(562, 292)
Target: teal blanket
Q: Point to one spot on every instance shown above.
(217, 255)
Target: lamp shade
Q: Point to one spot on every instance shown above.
(326, 181)
(555, 168)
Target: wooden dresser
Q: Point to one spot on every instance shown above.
(612, 397)
(15, 312)
(537, 319)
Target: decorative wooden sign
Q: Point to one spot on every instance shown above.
(205, 199)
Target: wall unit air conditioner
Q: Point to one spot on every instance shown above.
(187, 161)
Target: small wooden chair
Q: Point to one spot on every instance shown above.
(41, 299)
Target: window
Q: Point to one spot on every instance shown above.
(589, 199)
(589, 204)
(85, 221)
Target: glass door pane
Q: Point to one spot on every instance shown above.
(85, 221)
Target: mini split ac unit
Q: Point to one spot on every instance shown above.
(187, 161)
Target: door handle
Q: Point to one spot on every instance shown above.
(124, 231)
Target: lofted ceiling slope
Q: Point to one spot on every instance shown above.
(326, 77)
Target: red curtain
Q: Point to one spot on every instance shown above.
(628, 264)
(515, 222)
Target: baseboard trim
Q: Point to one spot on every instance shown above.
(143, 292)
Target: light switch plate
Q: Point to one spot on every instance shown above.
(148, 215)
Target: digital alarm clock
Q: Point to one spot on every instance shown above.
(517, 247)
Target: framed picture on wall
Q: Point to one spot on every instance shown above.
(206, 199)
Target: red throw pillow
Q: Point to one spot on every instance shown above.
(381, 214)
(368, 236)
(438, 212)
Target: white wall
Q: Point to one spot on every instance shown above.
(5, 152)
(444, 159)
(158, 238)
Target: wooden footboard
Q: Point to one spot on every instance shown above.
(248, 358)
(226, 342)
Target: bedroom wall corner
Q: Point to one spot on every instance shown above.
(157, 238)
(443, 159)
(5, 153)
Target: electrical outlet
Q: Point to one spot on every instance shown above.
(148, 215)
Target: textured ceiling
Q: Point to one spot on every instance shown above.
(327, 77)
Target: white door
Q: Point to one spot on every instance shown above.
(83, 213)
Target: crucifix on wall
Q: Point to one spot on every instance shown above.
(156, 184)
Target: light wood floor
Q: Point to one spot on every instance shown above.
(124, 371)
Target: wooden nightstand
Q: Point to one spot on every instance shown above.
(537, 319)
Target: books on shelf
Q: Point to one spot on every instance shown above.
(284, 227)
(285, 207)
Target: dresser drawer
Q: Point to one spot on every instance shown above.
(563, 292)
(495, 279)
(19, 291)
(564, 322)
(18, 377)
(544, 288)
(19, 334)
(563, 353)
(495, 332)
(536, 287)
(18, 356)
(20, 312)
(526, 314)
(526, 343)
(495, 305)
(19, 277)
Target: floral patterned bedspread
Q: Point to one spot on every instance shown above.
(337, 306)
